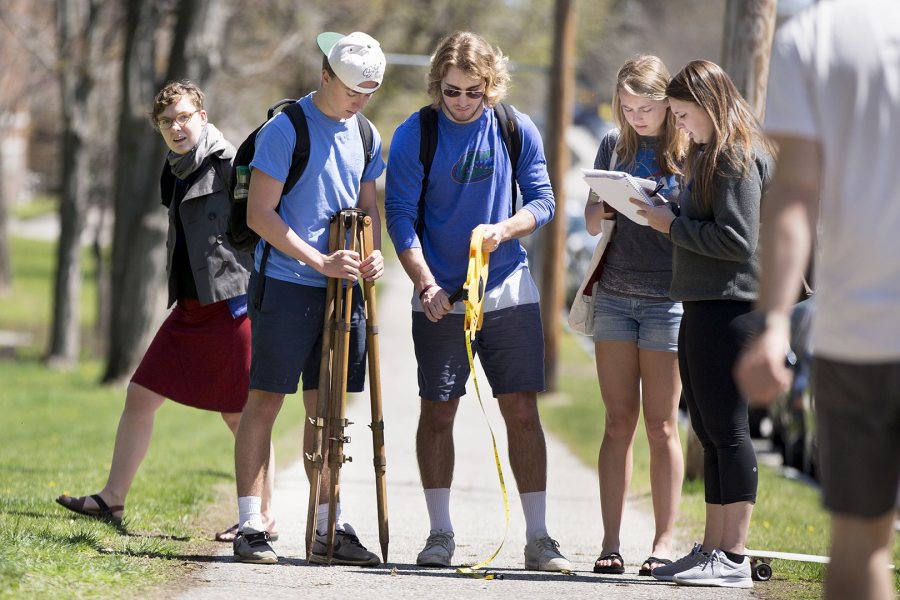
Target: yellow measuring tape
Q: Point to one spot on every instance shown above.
(475, 286)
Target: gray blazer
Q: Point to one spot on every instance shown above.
(220, 271)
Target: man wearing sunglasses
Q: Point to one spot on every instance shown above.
(470, 184)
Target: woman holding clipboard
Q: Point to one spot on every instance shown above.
(715, 275)
(635, 322)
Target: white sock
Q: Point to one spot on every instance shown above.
(438, 502)
(534, 504)
(250, 514)
(322, 518)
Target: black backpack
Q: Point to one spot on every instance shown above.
(239, 234)
(428, 126)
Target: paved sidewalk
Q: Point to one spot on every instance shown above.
(476, 509)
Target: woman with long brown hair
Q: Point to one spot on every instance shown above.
(715, 275)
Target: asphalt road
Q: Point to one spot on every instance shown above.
(573, 515)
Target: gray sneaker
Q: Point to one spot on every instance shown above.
(347, 550)
(691, 560)
(438, 551)
(543, 554)
(254, 548)
(717, 571)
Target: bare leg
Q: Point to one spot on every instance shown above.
(715, 525)
(253, 443)
(735, 526)
(618, 373)
(527, 448)
(661, 389)
(434, 443)
(860, 552)
(132, 442)
(232, 420)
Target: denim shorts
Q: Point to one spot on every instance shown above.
(510, 347)
(651, 324)
(286, 337)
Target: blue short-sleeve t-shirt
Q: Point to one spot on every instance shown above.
(330, 182)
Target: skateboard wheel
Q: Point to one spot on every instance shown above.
(762, 572)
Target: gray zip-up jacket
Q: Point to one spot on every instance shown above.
(716, 252)
(220, 271)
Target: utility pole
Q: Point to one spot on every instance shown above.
(746, 48)
(562, 88)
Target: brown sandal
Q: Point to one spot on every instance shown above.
(102, 512)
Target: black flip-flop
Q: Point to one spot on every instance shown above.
(610, 569)
(652, 560)
(102, 512)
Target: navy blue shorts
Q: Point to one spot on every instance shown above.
(510, 346)
(286, 337)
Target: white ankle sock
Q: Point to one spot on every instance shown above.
(322, 518)
(437, 500)
(250, 514)
(534, 505)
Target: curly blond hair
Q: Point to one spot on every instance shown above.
(471, 54)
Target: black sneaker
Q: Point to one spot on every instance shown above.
(254, 548)
(347, 550)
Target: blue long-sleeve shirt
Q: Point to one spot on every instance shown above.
(469, 184)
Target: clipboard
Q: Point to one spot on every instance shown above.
(616, 187)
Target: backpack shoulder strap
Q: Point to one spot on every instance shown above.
(368, 138)
(512, 139)
(428, 139)
(300, 157)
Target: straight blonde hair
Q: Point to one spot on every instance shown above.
(646, 76)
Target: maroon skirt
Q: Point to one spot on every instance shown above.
(200, 357)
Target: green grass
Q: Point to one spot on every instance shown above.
(788, 515)
(40, 205)
(58, 432)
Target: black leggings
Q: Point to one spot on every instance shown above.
(708, 346)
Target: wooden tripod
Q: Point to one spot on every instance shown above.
(351, 229)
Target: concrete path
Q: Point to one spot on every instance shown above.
(476, 509)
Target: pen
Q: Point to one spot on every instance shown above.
(659, 187)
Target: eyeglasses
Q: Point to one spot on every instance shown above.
(181, 118)
(454, 93)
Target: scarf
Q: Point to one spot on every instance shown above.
(211, 143)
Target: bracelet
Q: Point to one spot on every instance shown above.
(425, 289)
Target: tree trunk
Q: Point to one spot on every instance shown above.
(5, 267)
(747, 46)
(76, 20)
(562, 84)
(139, 249)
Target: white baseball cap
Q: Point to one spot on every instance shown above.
(355, 58)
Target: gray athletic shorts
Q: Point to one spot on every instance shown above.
(510, 347)
(858, 428)
(286, 337)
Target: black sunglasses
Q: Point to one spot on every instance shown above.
(454, 93)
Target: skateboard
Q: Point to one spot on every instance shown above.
(760, 561)
(761, 567)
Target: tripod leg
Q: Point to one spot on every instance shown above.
(379, 461)
(319, 420)
(338, 397)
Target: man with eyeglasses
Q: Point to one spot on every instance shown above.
(470, 184)
(288, 321)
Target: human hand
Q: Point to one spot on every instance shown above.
(373, 267)
(435, 303)
(491, 238)
(659, 217)
(341, 264)
(761, 372)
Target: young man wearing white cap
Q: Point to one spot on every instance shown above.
(287, 323)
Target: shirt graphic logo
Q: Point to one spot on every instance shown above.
(473, 167)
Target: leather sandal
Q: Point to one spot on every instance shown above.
(101, 512)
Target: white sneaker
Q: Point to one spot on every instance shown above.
(438, 551)
(689, 561)
(543, 554)
(718, 571)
